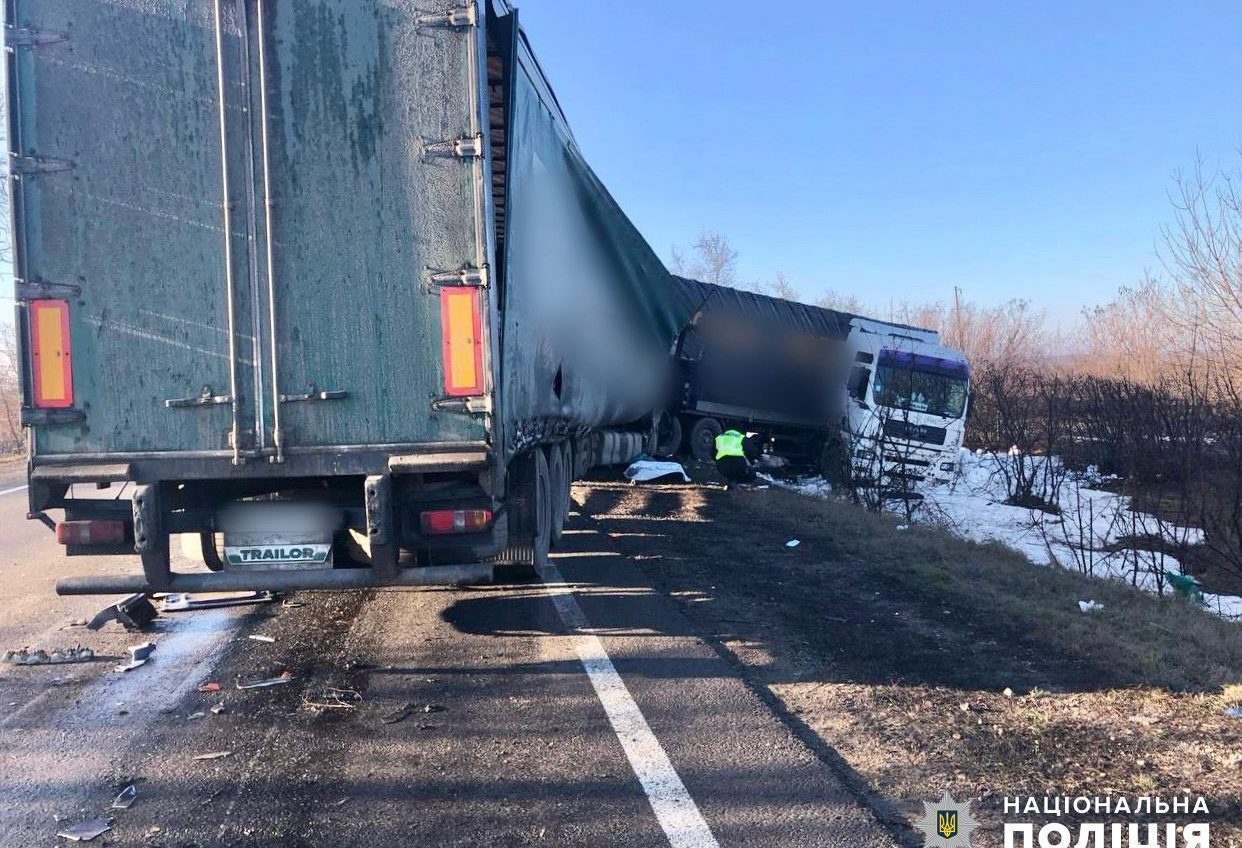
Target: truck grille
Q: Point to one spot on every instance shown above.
(914, 432)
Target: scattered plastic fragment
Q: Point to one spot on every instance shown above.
(646, 470)
(1007, 692)
(85, 831)
(213, 755)
(182, 602)
(40, 657)
(216, 709)
(1233, 712)
(1188, 587)
(793, 543)
(199, 714)
(1090, 606)
(261, 638)
(131, 665)
(209, 687)
(126, 798)
(902, 527)
(263, 684)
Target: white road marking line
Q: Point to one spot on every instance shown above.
(675, 810)
(14, 489)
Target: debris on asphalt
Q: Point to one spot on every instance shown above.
(1233, 712)
(261, 638)
(406, 710)
(133, 613)
(126, 798)
(213, 755)
(181, 602)
(141, 652)
(793, 543)
(199, 714)
(209, 687)
(216, 709)
(25, 656)
(646, 470)
(333, 698)
(263, 684)
(131, 665)
(1090, 606)
(902, 527)
(85, 831)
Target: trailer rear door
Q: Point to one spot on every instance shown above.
(247, 212)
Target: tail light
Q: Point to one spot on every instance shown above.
(438, 522)
(49, 353)
(461, 339)
(92, 532)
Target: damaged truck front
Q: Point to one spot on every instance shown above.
(324, 286)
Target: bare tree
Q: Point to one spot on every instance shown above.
(782, 288)
(842, 303)
(10, 404)
(1203, 255)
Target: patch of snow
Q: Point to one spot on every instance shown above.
(1083, 537)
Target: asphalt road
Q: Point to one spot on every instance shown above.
(578, 710)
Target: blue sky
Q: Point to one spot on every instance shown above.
(895, 150)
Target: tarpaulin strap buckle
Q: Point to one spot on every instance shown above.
(39, 165)
(461, 16)
(30, 37)
(469, 147)
(466, 276)
(43, 290)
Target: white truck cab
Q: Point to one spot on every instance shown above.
(907, 397)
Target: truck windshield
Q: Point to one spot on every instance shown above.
(921, 384)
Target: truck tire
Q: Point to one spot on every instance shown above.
(703, 439)
(558, 475)
(543, 512)
(668, 435)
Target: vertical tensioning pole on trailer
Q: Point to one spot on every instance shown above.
(235, 436)
(277, 435)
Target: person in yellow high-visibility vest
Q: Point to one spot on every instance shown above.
(731, 460)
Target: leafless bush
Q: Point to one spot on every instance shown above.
(10, 402)
(1019, 413)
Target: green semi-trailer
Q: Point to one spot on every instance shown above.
(291, 274)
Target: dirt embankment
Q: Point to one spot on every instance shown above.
(891, 651)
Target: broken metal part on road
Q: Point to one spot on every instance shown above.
(261, 638)
(85, 831)
(262, 684)
(135, 612)
(25, 656)
(213, 755)
(182, 602)
(141, 652)
(126, 798)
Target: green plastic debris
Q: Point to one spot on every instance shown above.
(1187, 587)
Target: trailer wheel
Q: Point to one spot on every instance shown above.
(559, 476)
(703, 439)
(668, 435)
(544, 510)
